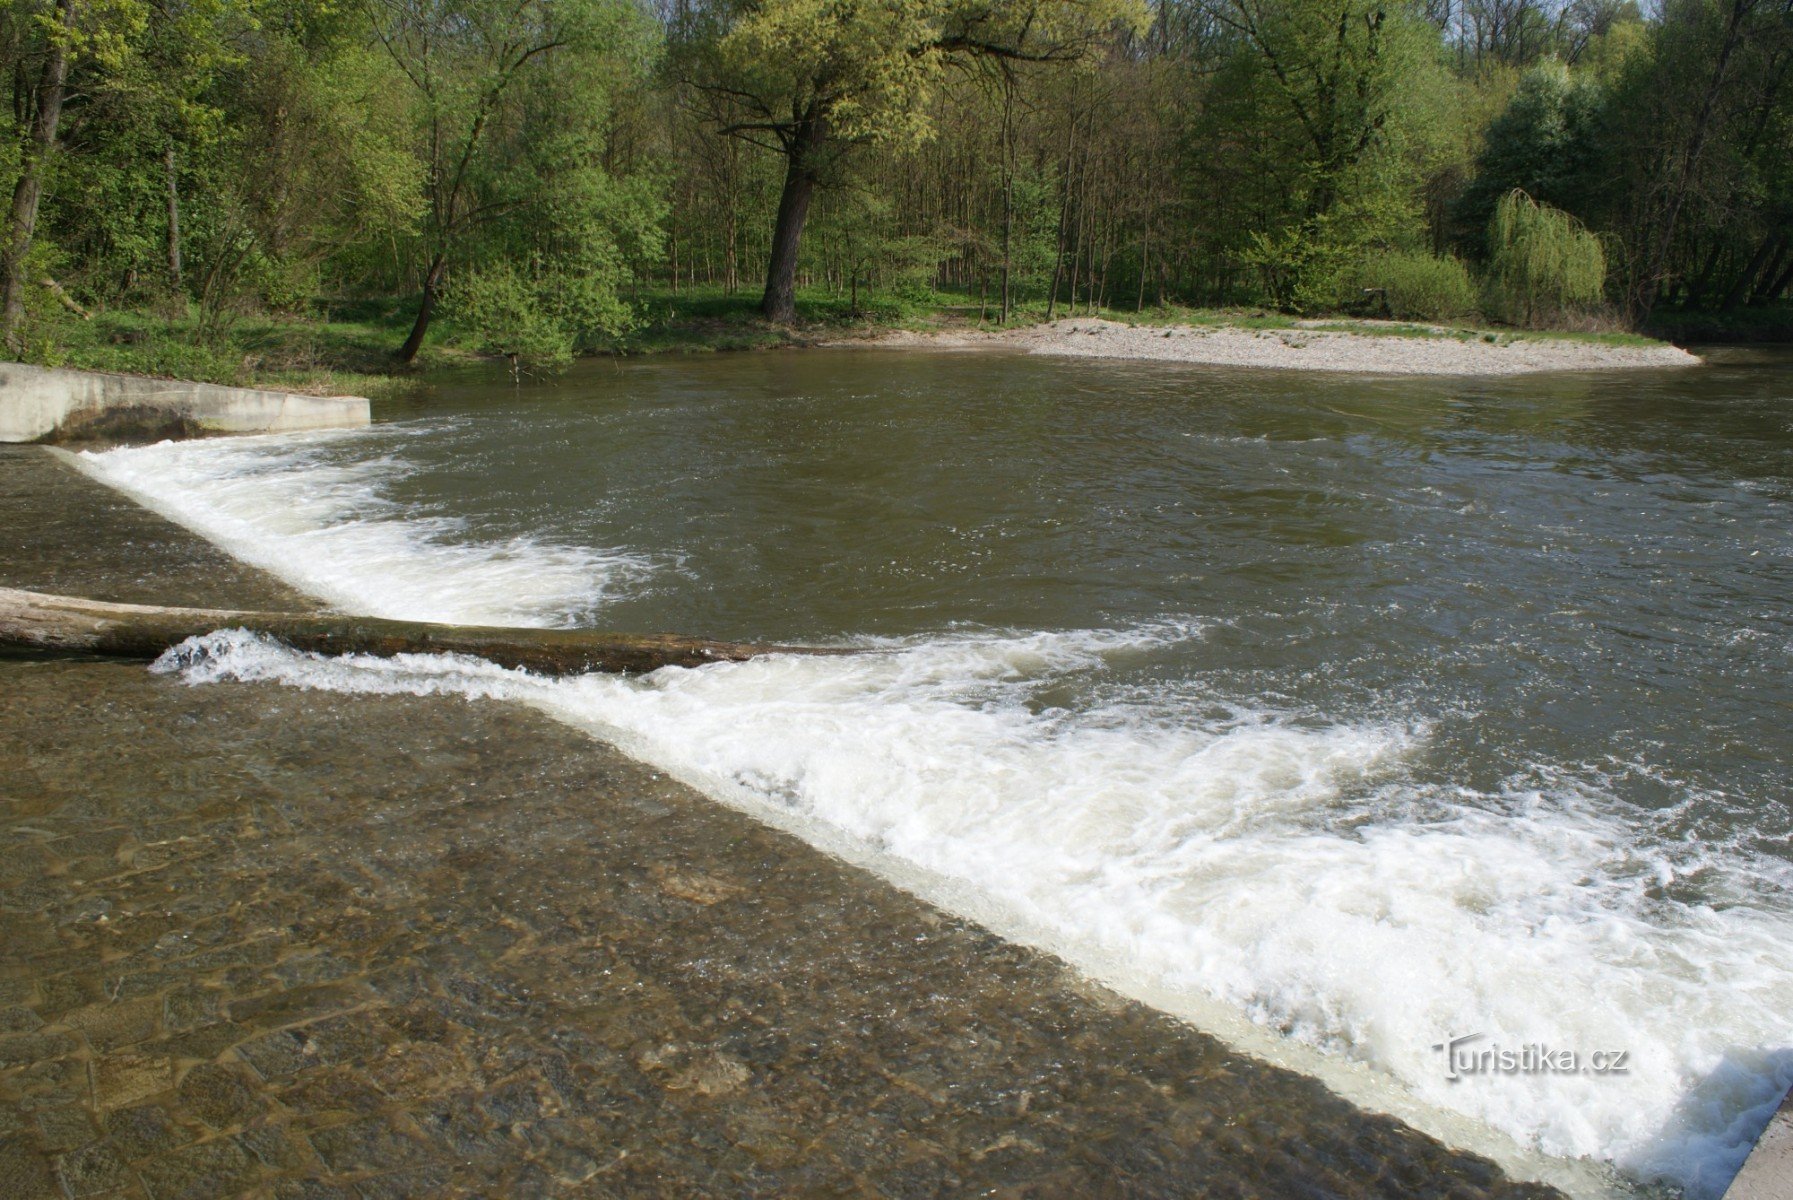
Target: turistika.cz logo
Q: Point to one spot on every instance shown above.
(1463, 1058)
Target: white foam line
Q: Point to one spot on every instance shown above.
(328, 529)
(1197, 868)
(1295, 886)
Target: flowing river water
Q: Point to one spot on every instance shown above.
(1341, 715)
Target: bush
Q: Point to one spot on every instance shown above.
(540, 317)
(1419, 287)
(1544, 266)
(1300, 269)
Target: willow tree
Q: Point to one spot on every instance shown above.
(809, 79)
(1542, 262)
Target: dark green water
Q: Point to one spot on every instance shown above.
(1370, 711)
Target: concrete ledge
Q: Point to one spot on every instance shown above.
(48, 404)
(1767, 1173)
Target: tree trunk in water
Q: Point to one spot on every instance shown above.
(780, 301)
(425, 310)
(174, 225)
(29, 189)
(44, 623)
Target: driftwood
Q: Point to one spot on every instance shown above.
(45, 623)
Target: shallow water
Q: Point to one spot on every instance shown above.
(1343, 715)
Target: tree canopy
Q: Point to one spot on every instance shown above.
(532, 168)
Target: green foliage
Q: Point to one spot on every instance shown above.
(1415, 286)
(540, 316)
(1279, 153)
(869, 70)
(1545, 143)
(1311, 267)
(1543, 264)
(1329, 128)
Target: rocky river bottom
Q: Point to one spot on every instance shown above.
(260, 941)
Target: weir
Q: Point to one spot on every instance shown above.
(54, 405)
(259, 937)
(1767, 1173)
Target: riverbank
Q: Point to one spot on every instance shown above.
(1381, 348)
(349, 349)
(258, 938)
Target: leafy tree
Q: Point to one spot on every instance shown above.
(466, 62)
(809, 78)
(1546, 144)
(1336, 112)
(46, 44)
(1543, 264)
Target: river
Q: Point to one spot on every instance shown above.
(1341, 715)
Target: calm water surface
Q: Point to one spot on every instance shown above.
(1344, 715)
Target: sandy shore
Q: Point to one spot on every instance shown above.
(1301, 349)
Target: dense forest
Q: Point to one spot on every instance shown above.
(531, 169)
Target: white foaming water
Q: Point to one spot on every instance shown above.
(1297, 886)
(280, 503)
(1247, 865)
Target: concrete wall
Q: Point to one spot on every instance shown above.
(40, 402)
(1768, 1171)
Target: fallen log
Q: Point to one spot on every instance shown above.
(38, 621)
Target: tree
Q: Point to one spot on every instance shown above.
(540, 284)
(56, 39)
(809, 80)
(1542, 262)
(464, 60)
(1725, 28)
(1341, 111)
(1545, 144)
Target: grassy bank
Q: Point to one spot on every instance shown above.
(348, 348)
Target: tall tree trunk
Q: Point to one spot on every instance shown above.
(1145, 247)
(22, 223)
(174, 224)
(1774, 288)
(1740, 288)
(1008, 189)
(1771, 271)
(1064, 219)
(425, 310)
(780, 301)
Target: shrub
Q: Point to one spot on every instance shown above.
(1419, 287)
(540, 316)
(1543, 264)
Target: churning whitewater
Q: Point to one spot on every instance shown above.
(330, 528)
(1286, 876)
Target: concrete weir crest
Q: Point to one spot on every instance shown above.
(52, 404)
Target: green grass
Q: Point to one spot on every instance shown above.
(348, 347)
(707, 318)
(350, 352)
